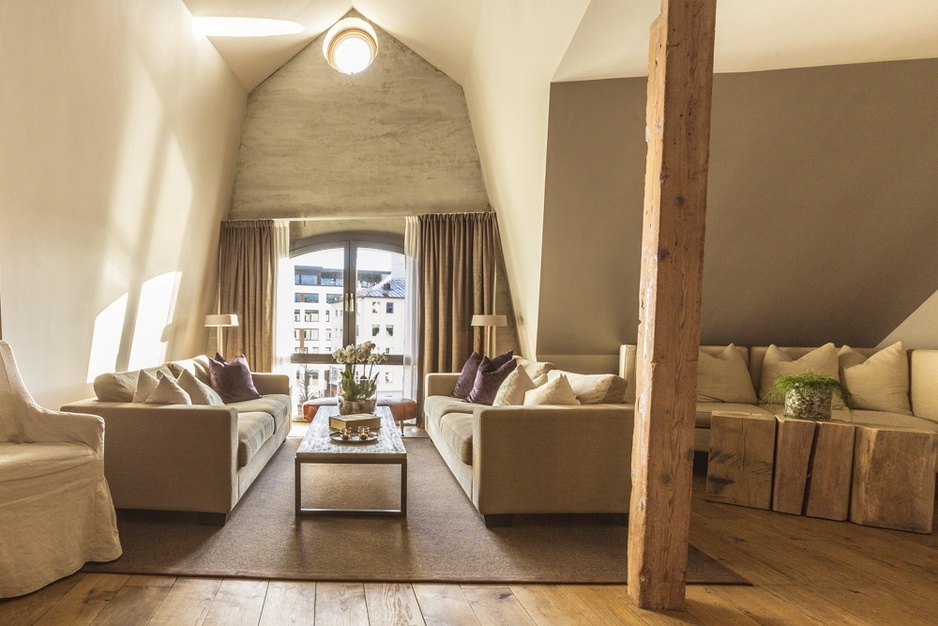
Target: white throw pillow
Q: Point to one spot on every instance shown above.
(594, 388)
(168, 391)
(777, 362)
(556, 391)
(146, 383)
(880, 382)
(724, 377)
(513, 388)
(199, 392)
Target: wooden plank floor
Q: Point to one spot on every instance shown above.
(804, 571)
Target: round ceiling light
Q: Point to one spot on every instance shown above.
(350, 45)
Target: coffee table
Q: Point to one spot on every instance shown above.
(317, 447)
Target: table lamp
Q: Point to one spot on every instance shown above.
(489, 322)
(219, 321)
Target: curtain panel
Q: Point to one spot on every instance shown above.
(247, 282)
(457, 258)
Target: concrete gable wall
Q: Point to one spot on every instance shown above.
(393, 140)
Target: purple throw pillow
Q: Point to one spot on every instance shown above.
(502, 358)
(488, 379)
(232, 380)
(467, 376)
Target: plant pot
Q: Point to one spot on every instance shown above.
(808, 404)
(356, 405)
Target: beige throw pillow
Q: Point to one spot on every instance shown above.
(168, 391)
(594, 388)
(535, 368)
(146, 383)
(880, 382)
(199, 392)
(777, 362)
(556, 391)
(513, 389)
(724, 377)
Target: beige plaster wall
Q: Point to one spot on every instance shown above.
(393, 140)
(821, 208)
(117, 152)
(508, 93)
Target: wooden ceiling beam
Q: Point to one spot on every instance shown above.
(680, 79)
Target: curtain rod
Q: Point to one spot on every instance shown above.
(354, 218)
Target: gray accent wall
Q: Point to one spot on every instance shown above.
(393, 140)
(822, 212)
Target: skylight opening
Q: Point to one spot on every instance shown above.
(350, 46)
(243, 27)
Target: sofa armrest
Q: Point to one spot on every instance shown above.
(169, 457)
(439, 384)
(924, 384)
(267, 383)
(552, 459)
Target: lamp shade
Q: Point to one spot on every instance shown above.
(221, 320)
(489, 320)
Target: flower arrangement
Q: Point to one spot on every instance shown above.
(358, 386)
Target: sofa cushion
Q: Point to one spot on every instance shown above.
(435, 407)
(535, 368)
(199, 392)
(116, 386)
(705, 410)
(512, 391)
(254, 428)
(724, 377)
(168, 391)
(777, 362)
(467, 376)
(232, 379)
(594, 388)
(492, 373)
(893, 420)
(556, 391)
(146, 383)
(456, 429)
(275, 405)
(879, 382)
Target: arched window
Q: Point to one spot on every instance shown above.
(347, 288)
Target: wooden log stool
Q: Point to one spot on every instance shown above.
(402, 409)
(739, 469)
(894, 479)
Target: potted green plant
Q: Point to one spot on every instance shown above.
(808, 395)
(359, 386)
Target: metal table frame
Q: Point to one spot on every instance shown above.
(353, 457)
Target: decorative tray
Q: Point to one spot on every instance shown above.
(353, 438)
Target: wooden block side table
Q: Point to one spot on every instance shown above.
(828, 490)
(742, 449)
(792, 457)
(894, 479)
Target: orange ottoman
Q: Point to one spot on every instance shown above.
(401, 408)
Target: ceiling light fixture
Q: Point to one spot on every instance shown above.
(243, 27)
(350, 45)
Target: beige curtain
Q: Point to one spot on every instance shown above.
(247, 272)
(457, 259)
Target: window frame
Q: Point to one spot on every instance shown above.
(349, 242)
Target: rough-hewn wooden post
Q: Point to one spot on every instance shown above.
(678, 133)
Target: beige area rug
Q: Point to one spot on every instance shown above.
(442, 539)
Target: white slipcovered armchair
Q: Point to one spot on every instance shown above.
(56, 511)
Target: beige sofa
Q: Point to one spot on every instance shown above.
(923, 391)
(532, 459)
(191, 458)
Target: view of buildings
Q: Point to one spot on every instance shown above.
(319, 306)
